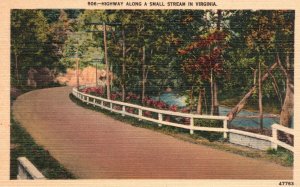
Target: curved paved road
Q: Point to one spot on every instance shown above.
(92, 145)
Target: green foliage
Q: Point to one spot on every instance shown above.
(29, 36)
(57, 38)
(35, 44)
(51, 15)
(257, 35)
(211, 136)
(271, 151)
(84, 47)
(208, 123)
(286, 156)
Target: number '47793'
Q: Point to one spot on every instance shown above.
(282, 183)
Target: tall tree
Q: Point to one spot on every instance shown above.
(284, 39)
(29, 43)
(215, 85)
(59, 31)
(206, 64)
(267, 33)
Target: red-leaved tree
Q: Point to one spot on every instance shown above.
(202, 61)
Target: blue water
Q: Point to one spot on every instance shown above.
(246, 122)
(173, 99)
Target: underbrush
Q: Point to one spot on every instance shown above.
(286, 156)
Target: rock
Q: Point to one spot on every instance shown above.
(168, 90)
(31, 82)
(39, 77)
(86, 76)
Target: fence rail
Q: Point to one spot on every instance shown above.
(27, 171)
(100, 102)
(275, 141)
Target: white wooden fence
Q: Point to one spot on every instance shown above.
(98, 101)
(27, 171)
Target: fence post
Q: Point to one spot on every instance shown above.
(140, 114)
(101, 103)
(225, 129)
(94, 102)
(192, 125)
(160, 118)
(274, 138)
(110, 106)
(123, 110)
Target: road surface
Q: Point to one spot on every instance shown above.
(94, 146)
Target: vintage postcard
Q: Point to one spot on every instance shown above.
(149, 93)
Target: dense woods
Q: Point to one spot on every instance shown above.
(240, 57)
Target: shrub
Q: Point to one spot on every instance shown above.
(173, 108)
(208, 123)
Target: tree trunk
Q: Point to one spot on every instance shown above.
(215, 100)
(215, 86)
(123, 67)
(96, 74)
(219, 12)
(254, 76)
(77, 72)
(111, 73)
(276, 89)
(77, 69)
(212, 92)
(106, 63)
(17, 69)
(159, 94)
(287, 110)
(144, 72)
(199, 106)
(242, 103)
(205, 101)
(192, 99)
(260, 105)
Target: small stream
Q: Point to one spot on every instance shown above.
(173, 99)
(246, 122)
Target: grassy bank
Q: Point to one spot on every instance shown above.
(22, 144)
(212, 139)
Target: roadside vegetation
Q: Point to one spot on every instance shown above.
(23, 145)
